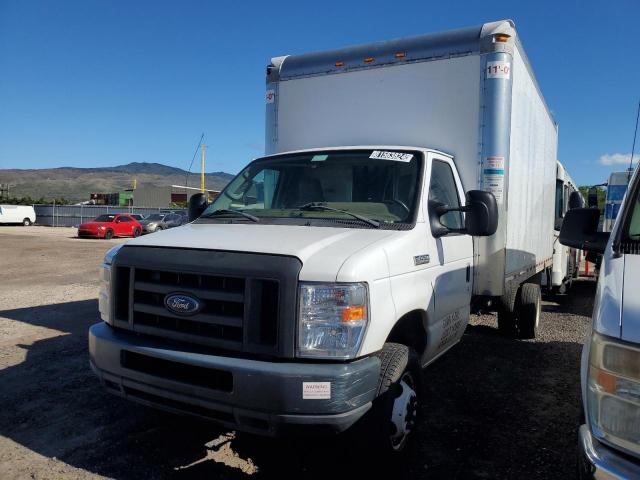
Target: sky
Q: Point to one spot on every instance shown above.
(92, 83)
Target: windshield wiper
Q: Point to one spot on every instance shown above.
(228, 211)
(321, 206)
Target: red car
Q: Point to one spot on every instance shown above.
(109, 226)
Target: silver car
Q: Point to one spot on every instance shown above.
(162, 221)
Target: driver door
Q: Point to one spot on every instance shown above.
(453, 285)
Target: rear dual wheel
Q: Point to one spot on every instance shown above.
(519, 311)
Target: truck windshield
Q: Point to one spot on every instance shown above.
(368, 183)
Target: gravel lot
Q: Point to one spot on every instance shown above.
(496, 408)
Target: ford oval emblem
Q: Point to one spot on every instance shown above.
(182, 304)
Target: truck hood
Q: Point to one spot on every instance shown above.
(322, 250)
(630, 300)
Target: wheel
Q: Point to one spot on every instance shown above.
(108, 234)
(158, 229)
(136, 232)
(529, 309)
(507, 321)
(393, 418)
(26, 222)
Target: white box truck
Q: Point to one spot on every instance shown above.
(566, 260)
(310, 293)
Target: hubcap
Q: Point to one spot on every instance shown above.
(403, 415)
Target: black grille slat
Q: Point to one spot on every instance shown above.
(197, 291)
(183, 336)
(200, 318)
(244, 297)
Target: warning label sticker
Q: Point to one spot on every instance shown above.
(498, 70)
(316, 390)
(397, 156)
(493, 176)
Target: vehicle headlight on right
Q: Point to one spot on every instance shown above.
(613, 392)
(332, 319)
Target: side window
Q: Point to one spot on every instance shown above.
(124, 219)
(443, 189)
(256, 192)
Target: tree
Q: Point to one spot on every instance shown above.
(602, 194)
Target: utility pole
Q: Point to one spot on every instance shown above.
(202, 186)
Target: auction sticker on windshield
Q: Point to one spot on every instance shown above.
(397, 156)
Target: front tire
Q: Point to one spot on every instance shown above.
(26, 222)
(393, 419)
(108, 234)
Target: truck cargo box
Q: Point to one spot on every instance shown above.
(470, 93)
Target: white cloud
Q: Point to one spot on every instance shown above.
(618, 159)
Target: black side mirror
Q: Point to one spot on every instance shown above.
(576, 200)
(580, 230)
(197, 204)
(481, 219)
(436, 210)
(481, 215)
(592, 198)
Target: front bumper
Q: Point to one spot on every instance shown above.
(91, 233)
(262, 397)
(149, 228)
(598, 461)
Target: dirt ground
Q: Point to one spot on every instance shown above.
(495, 408)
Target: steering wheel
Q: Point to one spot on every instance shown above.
(401, 203)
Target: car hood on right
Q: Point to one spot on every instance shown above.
(616, 311)
(630, 315)
(148, 222)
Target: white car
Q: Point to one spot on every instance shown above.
(24, 214)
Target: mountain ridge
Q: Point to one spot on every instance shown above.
(77, 183)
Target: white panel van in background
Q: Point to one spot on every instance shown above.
(24, 214)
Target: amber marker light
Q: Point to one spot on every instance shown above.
(352, 314)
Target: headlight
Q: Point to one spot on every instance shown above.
(613, 392)
(332, 319)
(101, 227)
(104, 277)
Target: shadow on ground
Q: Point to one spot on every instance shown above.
(495, 408)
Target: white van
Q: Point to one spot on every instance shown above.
(24, 214)
(610, 371)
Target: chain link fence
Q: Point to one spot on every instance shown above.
(74, 215)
